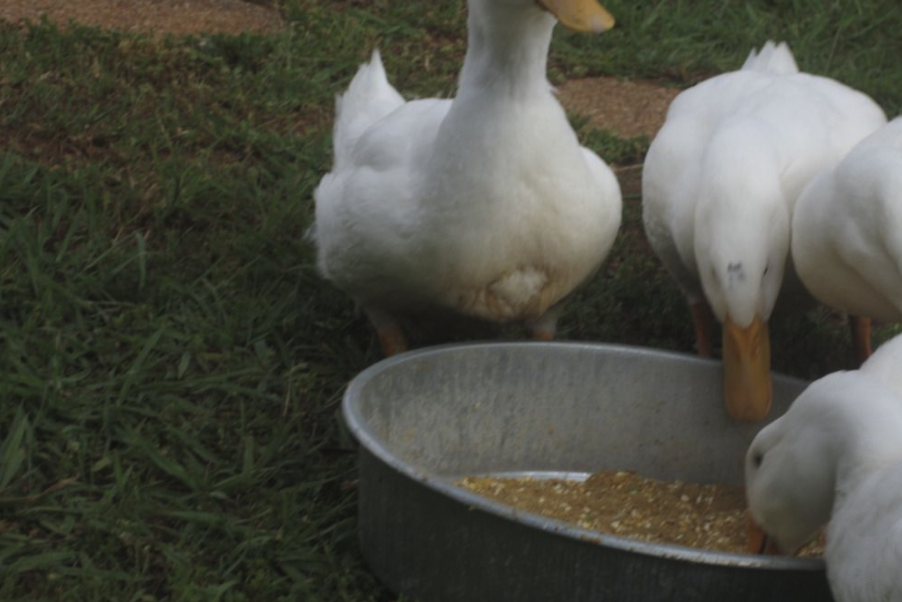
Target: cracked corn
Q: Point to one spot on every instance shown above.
(711, 517)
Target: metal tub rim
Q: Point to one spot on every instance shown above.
(443, 485)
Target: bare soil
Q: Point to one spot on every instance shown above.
(629, 108)
(179, 17)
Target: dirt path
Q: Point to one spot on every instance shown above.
(629, 108)
(150, 16)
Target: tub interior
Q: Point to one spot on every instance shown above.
(559, 408)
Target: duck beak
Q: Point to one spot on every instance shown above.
(758, 541)
(585, 16)
(746, 360)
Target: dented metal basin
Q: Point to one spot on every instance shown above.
(428, 417)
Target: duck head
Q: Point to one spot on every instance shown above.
(790, 479)
(840, 431)
(508, 41)
(585, 16)
(742, 229)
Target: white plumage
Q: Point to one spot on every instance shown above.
(719, 185)
(835, 458)
(485, 205)
(773, 58)
(847, 230)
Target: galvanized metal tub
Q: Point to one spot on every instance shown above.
(426, 418)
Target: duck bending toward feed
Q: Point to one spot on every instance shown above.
(719, 184)
(847, 234)
(835, 458)
(486, 204)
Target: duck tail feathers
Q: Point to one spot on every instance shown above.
(368, 99)
(772, 58)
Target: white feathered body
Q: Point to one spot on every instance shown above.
(723, 174)
(864, 540)
(847, 230)
(485, 204)
(835, 458)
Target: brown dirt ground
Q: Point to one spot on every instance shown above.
(627, 107)
(180, 17)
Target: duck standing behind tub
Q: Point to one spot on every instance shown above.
(485, 205)
(836, 455)
(847, 234)
(719, 184)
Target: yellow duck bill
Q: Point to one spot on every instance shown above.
(748, 390)
(758, 541)
(586, 16)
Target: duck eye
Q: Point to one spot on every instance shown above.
(757, 459)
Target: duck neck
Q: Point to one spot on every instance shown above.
(862, 466)
(507, 49)
(875, 451)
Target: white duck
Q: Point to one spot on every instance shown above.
(835, 458)
(847, 234)
(485, 205)
(719, 184)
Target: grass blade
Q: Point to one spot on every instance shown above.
(12, 452)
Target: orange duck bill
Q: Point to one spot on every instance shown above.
(758, 541)
(746, 359)
(586, 16)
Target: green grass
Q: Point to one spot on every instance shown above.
(171, 365)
